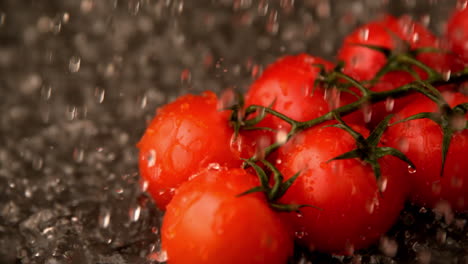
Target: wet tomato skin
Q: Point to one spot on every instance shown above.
(186, 136)
(354, 214)
(421, 141)
(287, 86)
(457, 32)
(207, 223)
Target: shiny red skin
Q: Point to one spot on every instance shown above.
(206, 223)
(457, 32)
(354, 214)
(421, 141)
(288, 85)
(186, 136)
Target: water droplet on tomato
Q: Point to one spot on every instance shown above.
(300, 234)
(272, 25)
(411, 169)
(367, 113)
(389, 104)
(281, 137)
(214, 166)
(446, 75)
(151, 158)
(383, 184)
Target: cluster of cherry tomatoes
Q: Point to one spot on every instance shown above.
(239, 193)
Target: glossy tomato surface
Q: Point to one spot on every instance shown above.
(288, 87)
(457, 31)
(186, 136)
(421, 141)
(207, 223)
(354, 214)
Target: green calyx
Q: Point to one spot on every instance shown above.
(450, 120)
(275, 191)
(367, 149)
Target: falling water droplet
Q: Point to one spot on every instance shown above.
(446, 75)
(74, 64)
(364, 34)
(100, 94)
(281, 137)
(389, 104)
(134, 213)
(104, 218)
(134, 6)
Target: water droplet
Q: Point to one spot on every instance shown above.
(151, 158)
(144, 101)
(383, 184)
(134, 6)
(214, 166)
(281, 136)
(144, 186)
(272, 25)
(74, 64)
(78, 155)
(65, 17)
(46, 92)
(28, 192)
(446, 75)
(236, 143)
(389, 104)
(104, 218)
(134, 213)
(37, 163)
(411, 169)
(367, 113)
(262, 7)
(300, 234)
(364, 34)
(100, 94)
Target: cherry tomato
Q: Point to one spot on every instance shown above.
(207, 223)
(354, 213)
(457, 31)
(421, 141)
(288, 87)
(186, 136)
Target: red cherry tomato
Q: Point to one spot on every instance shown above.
(288, 87)
(186, 136)
(421, 141)
(354, 214)
(457, 31)
(207, 223)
